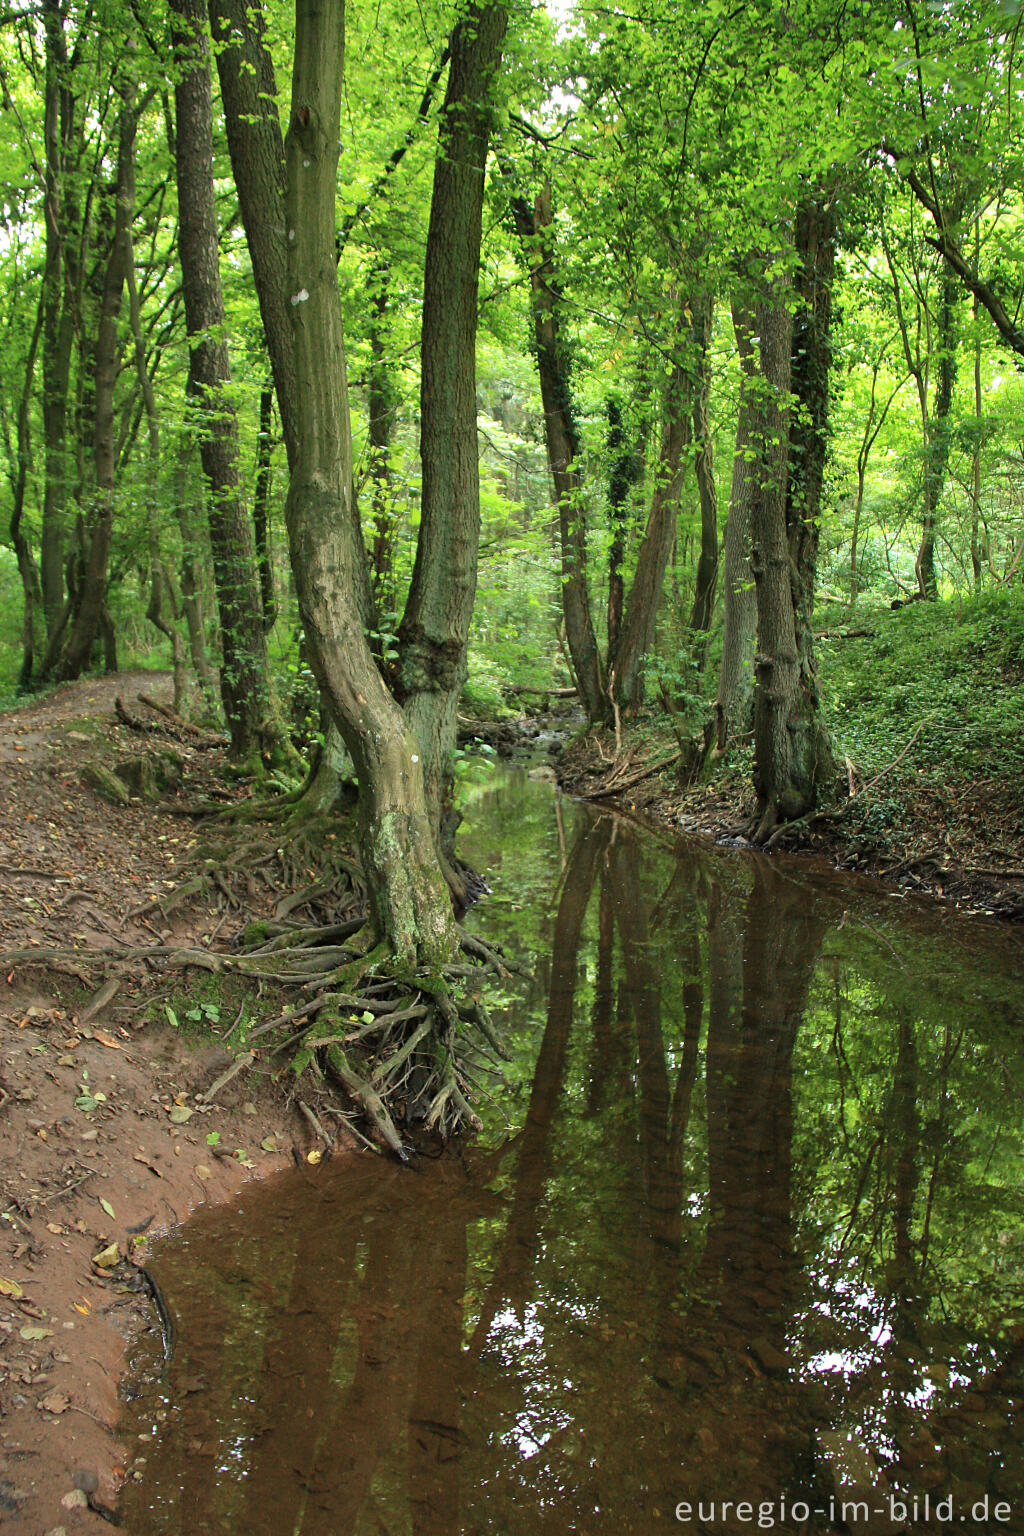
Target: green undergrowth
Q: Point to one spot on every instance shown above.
(944, 680)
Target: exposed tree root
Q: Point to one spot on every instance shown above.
(410, 1050)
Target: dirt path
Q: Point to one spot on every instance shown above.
(103, 1138)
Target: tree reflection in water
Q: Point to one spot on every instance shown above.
(765, 1188)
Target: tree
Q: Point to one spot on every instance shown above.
(244, 680)
(399, 810)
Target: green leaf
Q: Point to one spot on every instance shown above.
(108, 1208)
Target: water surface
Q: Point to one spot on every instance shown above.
(747, 1214)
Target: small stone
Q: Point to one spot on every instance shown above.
(76, 1499)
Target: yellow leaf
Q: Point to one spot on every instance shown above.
(10, 1288)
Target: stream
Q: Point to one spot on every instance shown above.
(743, 1241)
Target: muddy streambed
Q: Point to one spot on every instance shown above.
(743, 1244)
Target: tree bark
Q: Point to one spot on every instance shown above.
(736, 673)
(410, 903)
(380, 402)
(248, 89)
(244, 680)
(434, 633)
(261, 509)
(936, 451)
(704, 469)
(619, 482)
(60, 205)
(89, 621)
(27, 568)
(563, 448)
(790, 749)
(626, 668)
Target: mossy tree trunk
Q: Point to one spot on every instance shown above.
(244, 677)
(791, 754)
(411, 904)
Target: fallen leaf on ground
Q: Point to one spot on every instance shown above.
(33, 1331)
(10, 1288)
(203, 1171)
(107, 1257)
(108, 1208)
(55, 1402)
(107, 1040)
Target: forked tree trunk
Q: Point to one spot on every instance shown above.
(736, 674)
(244, 679)
(434, 633)
(411, 905)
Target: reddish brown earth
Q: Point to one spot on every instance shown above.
(101, 1127)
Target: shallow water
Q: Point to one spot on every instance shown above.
(744, 1240)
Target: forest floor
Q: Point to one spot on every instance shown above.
(106, 1138)
(958, 839)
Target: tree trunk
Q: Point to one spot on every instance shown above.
(261, 509)
(244, 679)
(380, 403)
(790, 749)
(626, 669)
(704, 468)
(410, 902)
(90, 621)
(563, 448)
(736, 673)
(619, 482)
(936, 454)
(434, 633)
(249, 92)
(60, 205)
(27, 568)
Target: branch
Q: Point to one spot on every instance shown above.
(397, 155)
(947, 248)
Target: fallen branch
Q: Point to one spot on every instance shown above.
(638, 778)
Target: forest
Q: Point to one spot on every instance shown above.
(510, 516)
(666, 361)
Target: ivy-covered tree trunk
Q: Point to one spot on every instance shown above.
(434, 633)
(937, 435)
(736, 672)
(244, 678)
(411, 905)
(381, 399)
(791, 755)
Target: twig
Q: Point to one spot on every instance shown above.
(318, 1129)
(238, 1065)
